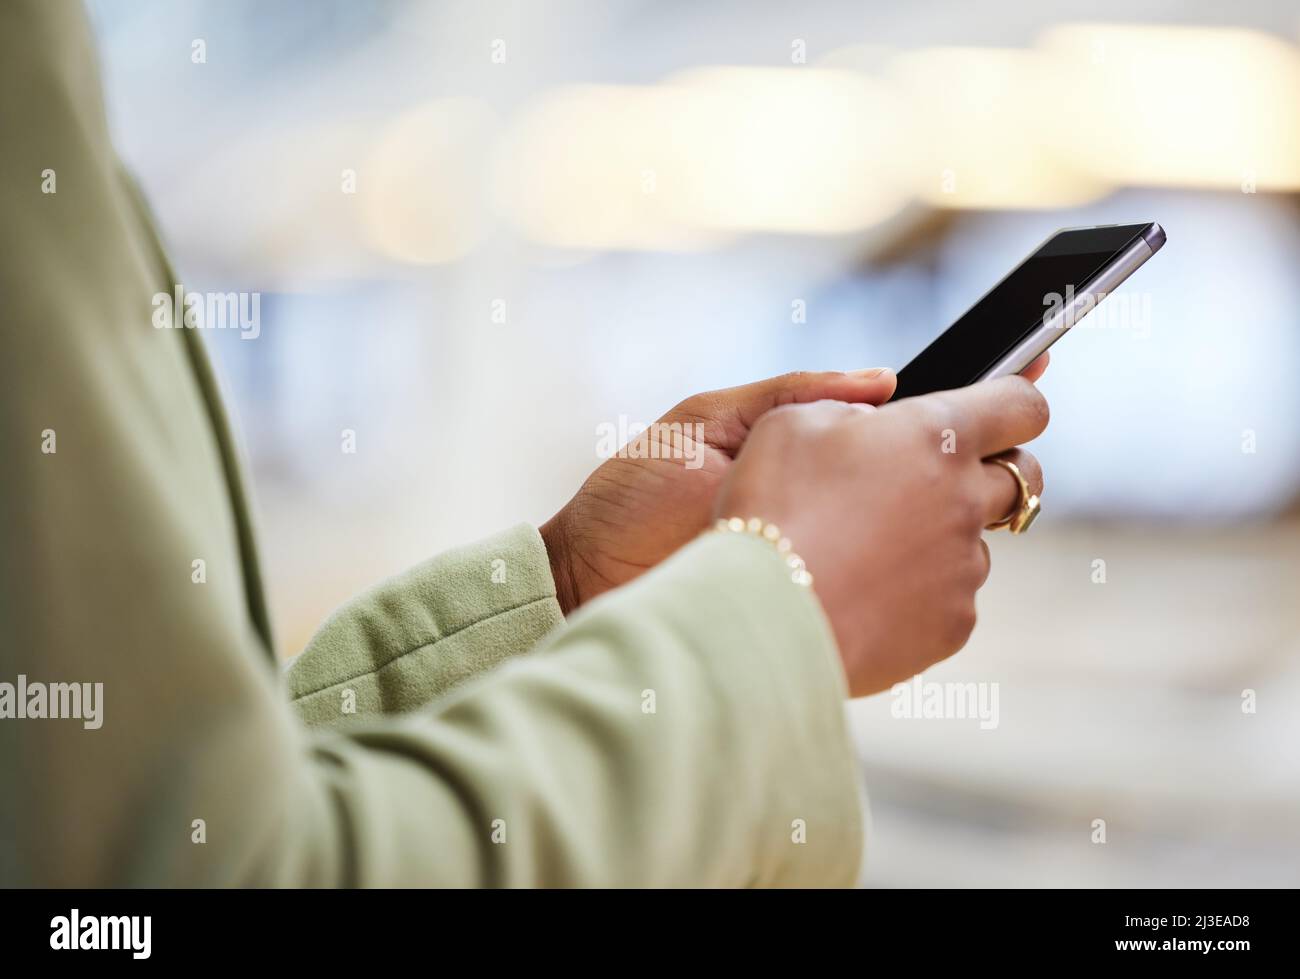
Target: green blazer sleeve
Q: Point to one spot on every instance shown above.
(413, 638)
(687, 729)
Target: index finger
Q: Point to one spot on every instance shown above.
(997, 415)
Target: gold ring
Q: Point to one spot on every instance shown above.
(1027, 505)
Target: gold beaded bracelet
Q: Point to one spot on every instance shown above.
(768, 532)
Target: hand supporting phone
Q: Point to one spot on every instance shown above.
(1029, 310)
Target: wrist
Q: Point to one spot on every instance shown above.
(760, 529)
(555, 536)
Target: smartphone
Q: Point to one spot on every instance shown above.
(1031, 308)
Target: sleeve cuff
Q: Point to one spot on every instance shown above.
(416, 636)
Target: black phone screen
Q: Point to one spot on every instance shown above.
(1013, 308)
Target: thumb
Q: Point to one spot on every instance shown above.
(730, 413)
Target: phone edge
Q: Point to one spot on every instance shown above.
(1132, 258)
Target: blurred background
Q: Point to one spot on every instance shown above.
(483, 229)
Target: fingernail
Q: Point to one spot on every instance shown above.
(869, 373)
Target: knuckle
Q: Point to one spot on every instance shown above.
(939, 411)
(971, 510)
(794, 417)
(964, 501)
(960, 624)
(932, 417)
(826, 411)
(1036, 408)
(779, 417)
(966, 495)
(1032, 470)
